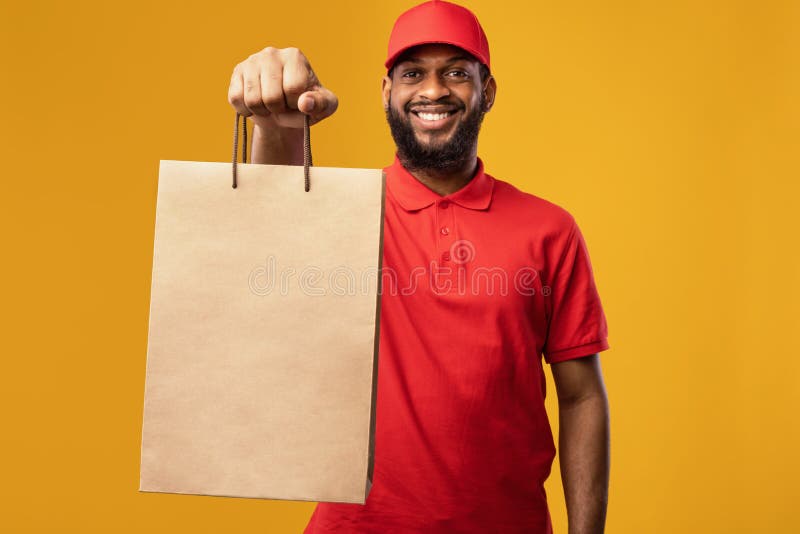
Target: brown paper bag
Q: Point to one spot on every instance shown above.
(262, 349)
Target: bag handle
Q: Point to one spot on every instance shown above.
(307, 162)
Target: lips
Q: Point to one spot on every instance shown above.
(433, 119)
(432, 116)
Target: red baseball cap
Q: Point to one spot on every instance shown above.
(438, 22)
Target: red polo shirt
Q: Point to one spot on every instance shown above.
(478, 285)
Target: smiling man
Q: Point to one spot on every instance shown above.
(481, 284)
(435, 125)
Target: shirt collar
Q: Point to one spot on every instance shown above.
(412, 194)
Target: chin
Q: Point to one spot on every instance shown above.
(433, 141)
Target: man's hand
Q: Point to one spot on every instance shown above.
(276, 86)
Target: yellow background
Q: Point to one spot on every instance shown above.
(670, 129)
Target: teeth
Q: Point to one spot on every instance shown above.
(433, 116)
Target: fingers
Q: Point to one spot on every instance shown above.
(297, 76)
(271, 79)
(277, 83)
(318, 103)
(236, 93)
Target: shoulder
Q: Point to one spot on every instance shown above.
(552, 219)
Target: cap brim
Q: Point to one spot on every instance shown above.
(393, 58)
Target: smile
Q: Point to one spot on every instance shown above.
(427, 120)
(433, 116)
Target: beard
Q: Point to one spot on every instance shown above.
(444, 156)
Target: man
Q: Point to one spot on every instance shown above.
(485, 279)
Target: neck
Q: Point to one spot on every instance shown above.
(446, 181)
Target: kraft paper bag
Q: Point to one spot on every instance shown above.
(262, 349)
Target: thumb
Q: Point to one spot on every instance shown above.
(318, 103)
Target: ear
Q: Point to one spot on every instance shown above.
(386, 89)
(489, 91)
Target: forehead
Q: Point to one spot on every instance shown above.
(436, 53)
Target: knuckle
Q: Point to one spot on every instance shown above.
(235, 98)
(294, 87)
(294, 54)
(251, 85)
(274, 101)
(261, 55)
(252, 100)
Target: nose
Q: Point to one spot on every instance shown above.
(434, 88)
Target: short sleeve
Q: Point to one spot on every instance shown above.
(576, 324)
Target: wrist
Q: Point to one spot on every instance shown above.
(277, 145)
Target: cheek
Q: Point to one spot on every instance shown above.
(471, 98)
(398, 106)
(391, 106)
(399, 96)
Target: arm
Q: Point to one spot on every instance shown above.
(583, 442)
(276, 88)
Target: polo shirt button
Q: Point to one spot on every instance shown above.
(444, 204)
(445, 256)
(445, 230)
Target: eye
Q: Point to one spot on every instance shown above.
(411, 74)
(458, 73)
